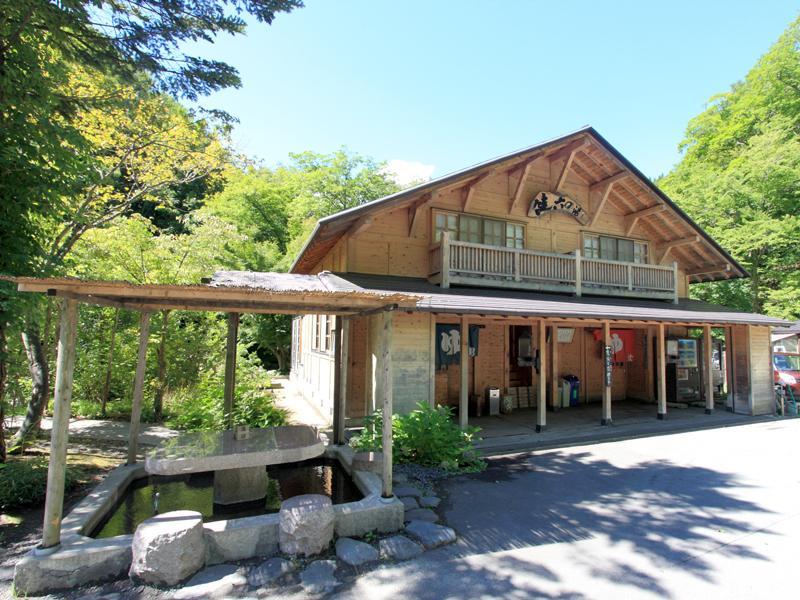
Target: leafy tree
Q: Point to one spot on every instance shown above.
(127, 37)
(743, 152)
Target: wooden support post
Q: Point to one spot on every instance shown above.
(708, 371)
(445, 259)
(729, 368)
(57, 467)
(463, 402)
(606, 416)
(541, 401)
(386, 384)
(138, 387)
(661, 358)
(340, 363)
(578, 274)
(556, 400)
(432, 363)
(675, 282)
(230, 368)
(649, 364)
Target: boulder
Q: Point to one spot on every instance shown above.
(399, 547)
(407, 490)
(269, 572)
(430, 535)
(318, 577)
(409, 503)
(355, 553)
(422, 514)
(218, 581)
(429, 501)
(306, 524)
(168, 549)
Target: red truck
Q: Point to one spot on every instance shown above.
(786, 369)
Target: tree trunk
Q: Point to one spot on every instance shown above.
(37, 365)
(3, 378)
(161, 380)
(109, 365)
(280, 356)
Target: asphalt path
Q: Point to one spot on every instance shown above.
(706, 514)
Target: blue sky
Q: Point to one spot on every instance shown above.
(447, 84)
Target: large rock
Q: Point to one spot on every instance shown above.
(355, 553)
(422, 514)
(306, 524)
(218, 581)
(168, 549)
(269, 572)
(430, 535)
(399, 547)
(407, 490)
(319, 578)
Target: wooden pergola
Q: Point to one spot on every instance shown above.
(230, 292)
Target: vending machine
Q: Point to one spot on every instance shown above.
(684, 379)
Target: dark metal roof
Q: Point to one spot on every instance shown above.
(791, 329)
(334, 225)
(486, 301)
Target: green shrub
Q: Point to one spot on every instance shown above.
(200, 407)
(425, 436)
(23, 482)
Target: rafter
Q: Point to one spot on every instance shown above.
(359, 226)
(632, 219)
(566, 154)
(669, 246)
(471, 189)
(525, 170)
(414, 211)
(709, 270)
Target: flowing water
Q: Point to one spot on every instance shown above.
(156, 494)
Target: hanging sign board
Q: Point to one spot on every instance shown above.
(609, 364)
(545, 202)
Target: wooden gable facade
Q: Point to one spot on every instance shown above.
(570, 218)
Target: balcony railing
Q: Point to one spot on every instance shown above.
(465, 263)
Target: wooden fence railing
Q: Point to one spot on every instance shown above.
(467, 263)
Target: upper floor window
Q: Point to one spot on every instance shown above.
(478, 230)
(608, 247)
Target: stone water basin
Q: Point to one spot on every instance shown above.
(195, 491)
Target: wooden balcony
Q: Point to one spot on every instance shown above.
(465, 263)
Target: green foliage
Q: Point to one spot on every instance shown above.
(743, 152)
(23, 482)
(199, 407)
(426, 436)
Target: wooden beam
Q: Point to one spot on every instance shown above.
(708, 373)
(632, 219)
(463, 390)
(567, 154)
(710, 269)
(471, 189)
(541, 400)
(570, 149)
(667, 247)
(361, 225)
(59, 434)
(138, 387)
(340, 363)
(554, 368)
(661, 358)
(387, 389)
(610, 180)
(230, 368)
(606, 417)
(649, 365)
(525, 171)
(602, 189)
(432, 363)
(414, 212)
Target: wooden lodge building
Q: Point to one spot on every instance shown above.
(558, 260)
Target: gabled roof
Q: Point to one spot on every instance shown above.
(598, 161)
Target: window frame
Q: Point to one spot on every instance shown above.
(645, 244)
(482, 233)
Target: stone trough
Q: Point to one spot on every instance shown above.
(81, 559)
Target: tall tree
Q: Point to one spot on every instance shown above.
(740, 179)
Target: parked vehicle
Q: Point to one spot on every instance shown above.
(786, 369)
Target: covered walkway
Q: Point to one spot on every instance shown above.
(580, 425)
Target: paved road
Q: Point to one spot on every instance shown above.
(709, 514)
